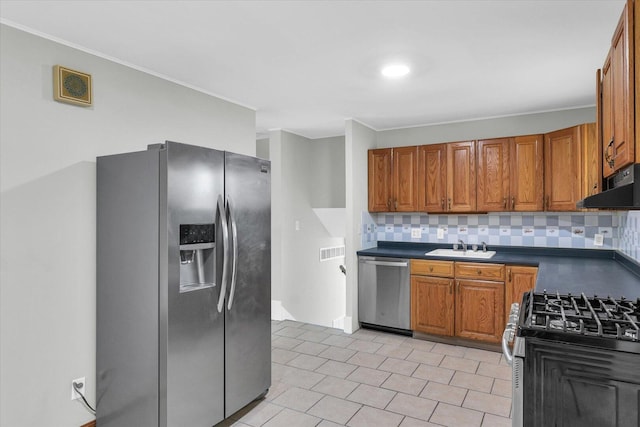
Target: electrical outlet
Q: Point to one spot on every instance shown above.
(82, 386)
(416, 233)
(598, 240)
(440, 233)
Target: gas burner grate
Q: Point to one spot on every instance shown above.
(592, 316)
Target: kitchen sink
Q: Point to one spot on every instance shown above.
(469, 254)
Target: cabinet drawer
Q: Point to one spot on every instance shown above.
(480, 271)
(432, 268)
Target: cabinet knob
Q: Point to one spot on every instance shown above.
(395, 206)
(504, 202)
(431, 269)
(513, 203)
(442, 203)
(479, 272)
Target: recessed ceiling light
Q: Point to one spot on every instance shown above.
(393, 71)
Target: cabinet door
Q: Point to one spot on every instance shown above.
(562, 169)
(432, 178)
(526, 173)
(493, 175)
(623, 90)
(404, 177)
(432, 305)
(379, 164)
(461, 177)
(520, 279)
(479, 310)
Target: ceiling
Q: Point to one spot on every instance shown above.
(306, 66)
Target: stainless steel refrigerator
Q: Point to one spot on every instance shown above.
(183, 286)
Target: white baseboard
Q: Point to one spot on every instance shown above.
(350, 325)
(338, 323)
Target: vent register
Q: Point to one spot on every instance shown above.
(333, 252)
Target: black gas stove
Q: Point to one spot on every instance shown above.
(575, 360)
(587, 320)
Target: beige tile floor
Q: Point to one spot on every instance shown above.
(324, 377)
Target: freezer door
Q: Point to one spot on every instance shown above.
(191, 327)
(248, 302)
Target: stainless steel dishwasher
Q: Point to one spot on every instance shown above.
(384, 293)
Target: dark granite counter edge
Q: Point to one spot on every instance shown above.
(515, 250)
(505, 254)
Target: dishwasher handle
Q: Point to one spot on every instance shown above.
(388, 263)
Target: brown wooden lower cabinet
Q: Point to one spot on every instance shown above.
(479, 310)
(471, 301)
(432, 305)
(520, 279)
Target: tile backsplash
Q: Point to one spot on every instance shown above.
(629, 233)
(621, 229)
(541, 229)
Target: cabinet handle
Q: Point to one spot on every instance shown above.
(431, 269)
(610, 158)
(513, 203)
(389, 203)
(457, 286)
(546, 202)
(504, 203)
(509, 275)
(449, 204)
(450, 287)
(479, 272)
(395, 206)
(442, 203)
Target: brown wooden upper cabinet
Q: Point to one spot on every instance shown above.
(461, 176)
(569, 175)
(447, 177)
(392, 179)
(432, 178)
(509, 174)
(616, 116)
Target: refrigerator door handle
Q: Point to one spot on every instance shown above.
(220, 214)
(234, 239)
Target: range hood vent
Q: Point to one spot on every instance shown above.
(623, 192)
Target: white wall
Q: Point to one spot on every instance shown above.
(488, 128)
(358, 139)
(47, 177)
(328, 189)
(303, 288)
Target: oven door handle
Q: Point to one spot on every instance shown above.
(507, 337)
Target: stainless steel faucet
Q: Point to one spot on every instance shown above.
(464, 245)
(484, 247)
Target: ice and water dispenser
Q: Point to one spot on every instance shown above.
(197, 244)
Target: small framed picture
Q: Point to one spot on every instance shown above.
(72, 86)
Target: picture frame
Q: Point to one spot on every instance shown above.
(71, 86)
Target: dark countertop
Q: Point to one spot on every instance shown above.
(600, 272)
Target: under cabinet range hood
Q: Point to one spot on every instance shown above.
(623, 191)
